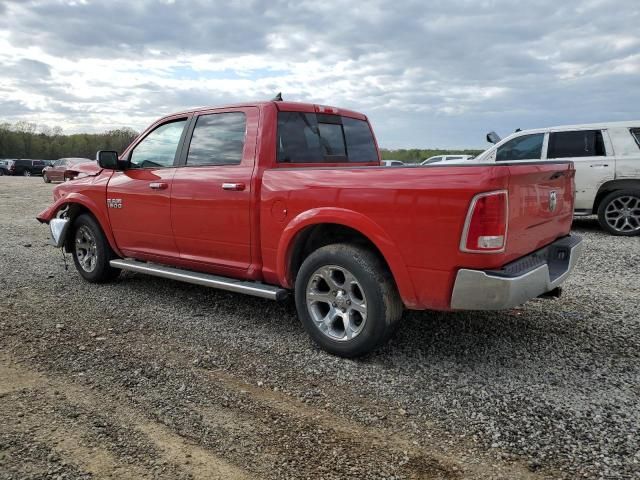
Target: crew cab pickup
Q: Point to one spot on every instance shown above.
(272, 197)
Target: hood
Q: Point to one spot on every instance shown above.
(90, 168)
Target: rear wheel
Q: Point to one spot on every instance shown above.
(27, 173)
(347, 300)
(91, 251)
(619, 213)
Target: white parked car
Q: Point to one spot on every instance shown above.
(446, 158)
(392, 163)
(607, 162)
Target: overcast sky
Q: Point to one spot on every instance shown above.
(428, 73)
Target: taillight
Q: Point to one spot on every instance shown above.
(485, 229)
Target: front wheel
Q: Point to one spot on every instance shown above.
(45, 178)
(91, 251)
(619, 213)
(27, 173)
(347, 300)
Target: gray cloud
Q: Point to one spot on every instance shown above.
(437, 73)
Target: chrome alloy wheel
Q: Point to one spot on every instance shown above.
(623, 214)
(86, 249)
(336, 303)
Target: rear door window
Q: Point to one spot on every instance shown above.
(321, 138)
(218, 139)
(524, 147)
(584, 143)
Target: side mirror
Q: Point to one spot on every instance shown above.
(493, 137)
(107, 159)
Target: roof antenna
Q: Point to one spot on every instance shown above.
(277, 98)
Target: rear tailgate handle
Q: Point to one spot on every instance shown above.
(557, 175)
(236, 187)
(158, 185)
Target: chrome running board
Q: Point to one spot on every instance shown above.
(256, 289)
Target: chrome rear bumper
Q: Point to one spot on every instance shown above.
(515, 283)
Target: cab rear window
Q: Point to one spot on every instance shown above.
(321, 138)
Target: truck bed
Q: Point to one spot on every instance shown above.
(408, 208)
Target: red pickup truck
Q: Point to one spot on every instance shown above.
(265, 198)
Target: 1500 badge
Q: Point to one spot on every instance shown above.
(114, 202)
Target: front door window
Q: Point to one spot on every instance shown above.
(158, 149)
(524, 147)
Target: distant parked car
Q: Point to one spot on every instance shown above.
(392, 163)
(5, 167)
(26, 168)
(446, 158)
(63, 169)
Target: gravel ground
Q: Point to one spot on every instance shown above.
(148, 378)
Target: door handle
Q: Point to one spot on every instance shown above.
(158, 185)
(236, 187)
(593, 165)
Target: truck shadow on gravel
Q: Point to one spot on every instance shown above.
(469, 339)
(587, 224)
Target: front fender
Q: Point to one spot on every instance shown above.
(86, 203)
(358, 222)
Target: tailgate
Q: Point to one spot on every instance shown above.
(540, 205)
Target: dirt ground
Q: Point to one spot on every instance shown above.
(148, 378)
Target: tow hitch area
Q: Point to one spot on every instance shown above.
(555, 293)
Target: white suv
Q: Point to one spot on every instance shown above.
(607, 161)
(446, 158)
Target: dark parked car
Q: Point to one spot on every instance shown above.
(5, 167)
(63, 169)
(26, 168)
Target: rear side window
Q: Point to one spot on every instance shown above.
(525, 147)
(218, 139)
(319, 138)
(636, 135)
(585, 143)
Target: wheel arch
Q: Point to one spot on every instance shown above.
(319, 227)
(77, 205)
(613, 185)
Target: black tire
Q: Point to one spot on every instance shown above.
(26, 173)
(98, 271)
(613, 201)
(1, 172)
(378, 291)
(45, 178)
